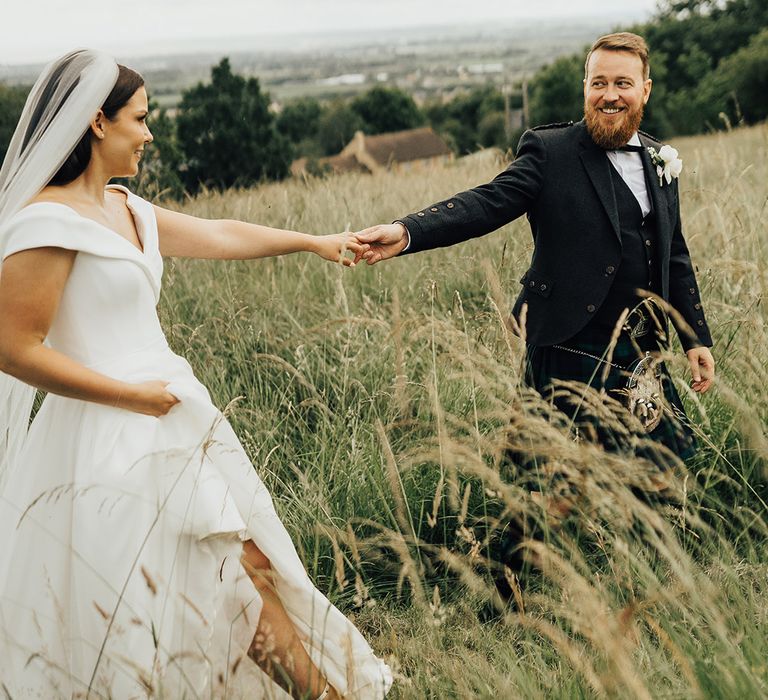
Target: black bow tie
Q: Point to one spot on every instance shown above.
(630, 149)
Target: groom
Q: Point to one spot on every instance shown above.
(609, 251)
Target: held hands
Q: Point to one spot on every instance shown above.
(334, 247)
(382, 242)
(372, 244)
(702, 368)
(150, 398)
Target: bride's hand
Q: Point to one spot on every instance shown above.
(150, 398)
(334, 247)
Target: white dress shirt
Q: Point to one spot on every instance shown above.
(630, 166)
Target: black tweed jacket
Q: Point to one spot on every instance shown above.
(561, 181)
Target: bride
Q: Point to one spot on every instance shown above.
(141, 554)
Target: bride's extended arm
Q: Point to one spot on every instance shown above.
(31, 285)
(187, 236)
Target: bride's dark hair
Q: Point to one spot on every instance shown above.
(128, 81)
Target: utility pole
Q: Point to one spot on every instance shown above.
(505, 90)
(526, 115)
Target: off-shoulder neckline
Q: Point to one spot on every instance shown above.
(131, 209)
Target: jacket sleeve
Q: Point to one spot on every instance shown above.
(684, 293)
(485, 208)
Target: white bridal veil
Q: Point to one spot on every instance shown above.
(57, 113)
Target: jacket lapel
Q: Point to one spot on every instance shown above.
(597, 165)
(657, 194)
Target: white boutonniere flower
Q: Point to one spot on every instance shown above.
(667, 163)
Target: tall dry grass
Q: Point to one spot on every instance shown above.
(378, 404)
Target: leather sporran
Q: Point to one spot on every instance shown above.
(644, 392)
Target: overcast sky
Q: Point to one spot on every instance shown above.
(39, 30)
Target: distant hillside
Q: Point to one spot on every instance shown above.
(422, 60)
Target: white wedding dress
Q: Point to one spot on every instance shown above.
(120, 533)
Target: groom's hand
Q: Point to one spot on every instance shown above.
(702, 368)
(384, 241)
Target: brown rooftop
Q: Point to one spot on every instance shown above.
(402, 146)
(372, 153)
(342, 163)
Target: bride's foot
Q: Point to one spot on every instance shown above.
(276, 648)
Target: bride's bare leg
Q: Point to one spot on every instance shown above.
(276, 648)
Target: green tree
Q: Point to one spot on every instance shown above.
(337, 125)
(738, 88)
(492, 130)
(689, 39)
(299, 119)
(717, 27)
(227, 133)
(656, 116)
(557, 91)
(471, 120)
(706, 59)
(12, 98)
(385, 109)
(299, 122)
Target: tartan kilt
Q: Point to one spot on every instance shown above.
(546, 366)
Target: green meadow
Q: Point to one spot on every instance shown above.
(380, 405)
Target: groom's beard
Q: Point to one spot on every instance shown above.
(612, 136)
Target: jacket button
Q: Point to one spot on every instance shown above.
(610, 270)
(648, 242)
(531, 284)
(433, 209)
(449, 205)
(421, 213)
(543, 288)
(699, 322)
(591, 308)
(697, 306)
(692, 291)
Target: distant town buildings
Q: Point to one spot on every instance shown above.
(345, 79)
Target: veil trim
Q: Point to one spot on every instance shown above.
(56, 115)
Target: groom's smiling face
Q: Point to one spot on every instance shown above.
(615, 92)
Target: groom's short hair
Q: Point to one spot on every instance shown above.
(622, 41)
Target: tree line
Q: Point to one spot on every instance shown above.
(709, 64)
(223, 133)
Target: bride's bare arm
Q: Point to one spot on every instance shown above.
(187, 236)
(31, 285)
